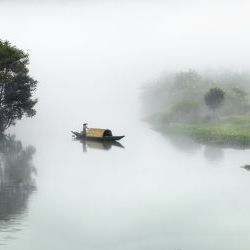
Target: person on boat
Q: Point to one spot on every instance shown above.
(84, 129)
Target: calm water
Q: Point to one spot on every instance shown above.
(150, 193)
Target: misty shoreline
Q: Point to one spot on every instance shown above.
(177, 104)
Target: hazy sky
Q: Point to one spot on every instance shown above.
(182, 33)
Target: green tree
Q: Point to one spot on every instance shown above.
(16, 86)
(214, 98)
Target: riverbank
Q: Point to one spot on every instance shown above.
(233, 131)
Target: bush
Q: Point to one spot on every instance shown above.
(214, 98)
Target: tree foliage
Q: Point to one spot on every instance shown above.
(214, 98)
(16, 86)
(165, 99)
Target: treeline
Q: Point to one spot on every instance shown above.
(193, 97)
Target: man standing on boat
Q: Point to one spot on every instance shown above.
(84, 129)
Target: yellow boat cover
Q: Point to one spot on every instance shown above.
(98, 133)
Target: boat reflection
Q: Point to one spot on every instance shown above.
(16, 182)
(101, 145)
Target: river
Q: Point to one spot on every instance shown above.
(150, 192)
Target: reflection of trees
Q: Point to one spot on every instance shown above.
(213, 153)
(16, 177)
(183, 143)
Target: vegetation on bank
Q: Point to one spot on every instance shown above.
(211, 109)
(224, 135)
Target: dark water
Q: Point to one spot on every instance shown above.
(150, 192)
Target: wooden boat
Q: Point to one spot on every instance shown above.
(97, 134)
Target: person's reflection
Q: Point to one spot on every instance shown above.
(16, 178)
(101, 145)
(84, 146)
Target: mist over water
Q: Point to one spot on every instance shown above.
(91, 60)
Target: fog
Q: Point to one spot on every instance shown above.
(91, 59)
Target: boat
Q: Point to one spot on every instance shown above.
(97, 134)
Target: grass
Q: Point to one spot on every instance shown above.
(233, 131)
